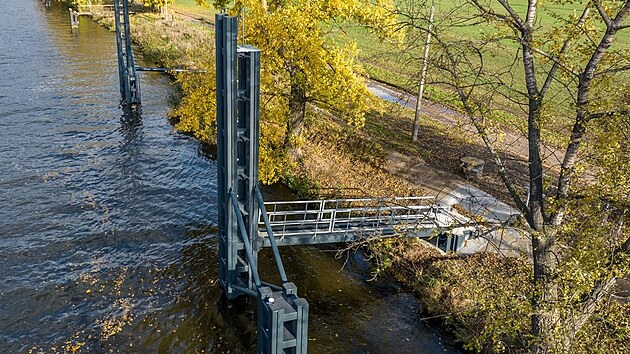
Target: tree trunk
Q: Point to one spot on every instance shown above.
(295, 120)
(543, 318)
(423, 74)
(547, 318)
(582, 109)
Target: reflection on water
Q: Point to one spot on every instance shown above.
(131, 147)
(108, 223)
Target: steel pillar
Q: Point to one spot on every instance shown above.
(237, 121)
(74, 19)
(247, 141)
(282, 316)
(129, 83)
(282, 321)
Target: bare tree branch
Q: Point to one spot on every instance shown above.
(602, 13)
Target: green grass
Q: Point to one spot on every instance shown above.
(387, 62)
(190, 7)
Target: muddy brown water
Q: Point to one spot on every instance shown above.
(108, 227)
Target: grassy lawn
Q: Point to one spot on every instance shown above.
(393, 64)
(389, 63)
(191, 8)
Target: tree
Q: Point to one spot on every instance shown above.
(423, 74)
(156, 3)
(302, 65)
(569, 69)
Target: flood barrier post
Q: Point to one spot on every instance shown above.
(129, 83)
(74, 19)
(238, 87)
(282, 317)
(226, 169)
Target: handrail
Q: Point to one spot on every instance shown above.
(348, 200)
(353, 221)
(348, 210)
(171, 70)
(351, 215)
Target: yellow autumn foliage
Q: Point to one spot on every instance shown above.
(296, 55)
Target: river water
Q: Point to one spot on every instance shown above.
(108, 226)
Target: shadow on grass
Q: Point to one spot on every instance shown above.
(441, 146)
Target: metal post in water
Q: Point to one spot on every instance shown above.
(129, 83)
(74, 19)
(119, 48)
(237, 120)
(225, 28)
(283, 317)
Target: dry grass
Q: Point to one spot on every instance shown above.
(174, 44)
(345, 159)
(482, 298)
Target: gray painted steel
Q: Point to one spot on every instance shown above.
(229, 244)
(270, 238)
(247, 144)
(283, 317)
(282, 321)
(310, 222)
(242, 229)
(237, 120)
(129, 83)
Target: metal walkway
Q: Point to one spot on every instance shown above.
(345, 220)
(247, 223)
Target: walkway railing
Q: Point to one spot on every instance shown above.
(324, 221)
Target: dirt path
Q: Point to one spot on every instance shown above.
(192, 17)
(513, 143)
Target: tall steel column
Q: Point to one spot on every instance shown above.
(282, 315)
(247, 144)
(129, 83)
(237, 125)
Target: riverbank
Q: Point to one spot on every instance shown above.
(335, 156)
(113, 222)
(338, 159)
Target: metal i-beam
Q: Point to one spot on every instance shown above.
(129, 83)
(283, 317)
(230, 266)
(247, 142)
(238, 87)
